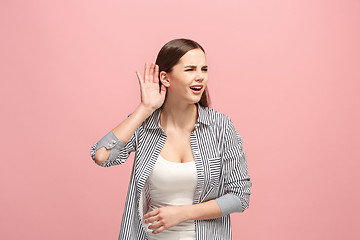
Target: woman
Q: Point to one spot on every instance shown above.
(190, 170)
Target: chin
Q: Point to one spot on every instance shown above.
(196, 101)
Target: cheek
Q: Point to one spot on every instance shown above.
(183, 83)
(179, 88)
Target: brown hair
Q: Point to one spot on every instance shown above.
(170, 55)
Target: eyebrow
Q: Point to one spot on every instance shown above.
(193, 66)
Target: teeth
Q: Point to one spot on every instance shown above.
(197, 88)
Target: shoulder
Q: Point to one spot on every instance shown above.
(223, 126)
(217, 118)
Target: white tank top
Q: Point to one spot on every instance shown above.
(172, 184)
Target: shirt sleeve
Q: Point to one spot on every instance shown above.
(236, 177)
(119, 151)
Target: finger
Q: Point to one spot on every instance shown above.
(155, 225)
(150, 214)
(152, 219)
(151, 73)
(139, 77)
(156, 74)
(146, 73)
(159, 230)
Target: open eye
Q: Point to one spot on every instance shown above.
(188, 70)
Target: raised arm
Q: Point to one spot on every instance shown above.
(116, 145)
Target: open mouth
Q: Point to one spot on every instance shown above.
(196, 89)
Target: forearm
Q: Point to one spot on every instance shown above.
(123, 132)
(221, 206)
(126, 128)
(202, 211)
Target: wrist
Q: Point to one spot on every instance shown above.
(146, 110)
(147, 107)
(186, 212)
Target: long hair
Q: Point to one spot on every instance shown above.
(170, 55)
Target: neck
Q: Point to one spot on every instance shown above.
(178, 115)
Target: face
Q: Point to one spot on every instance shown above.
(188, 78)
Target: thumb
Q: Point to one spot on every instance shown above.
(139, 77)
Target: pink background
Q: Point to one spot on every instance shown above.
(286, 72)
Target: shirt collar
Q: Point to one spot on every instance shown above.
(153, 121)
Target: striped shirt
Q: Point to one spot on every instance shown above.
(220, 163)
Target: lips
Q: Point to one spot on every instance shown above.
(197, 87)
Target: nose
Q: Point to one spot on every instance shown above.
(200, 76)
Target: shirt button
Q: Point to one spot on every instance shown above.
(114, 141)
(109, 145)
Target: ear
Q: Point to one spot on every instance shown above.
(164, 79)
